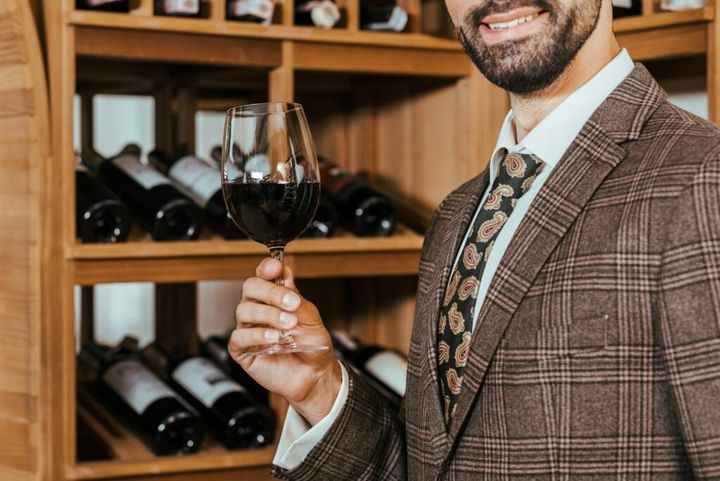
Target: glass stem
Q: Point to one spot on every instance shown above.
(278, 253)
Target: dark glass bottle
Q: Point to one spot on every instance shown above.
(104, 5)
(383, 18)
(167, 424)
(258, 11)
(178, 8)
(216, 349)
(320, 13)
(361, 209)
(165, 211)
(200, 180)
(626, 8)
(237, 419)
(100, 215)
(385, 370)
(324, 222)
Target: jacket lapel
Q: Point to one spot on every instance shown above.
(453, 218)
(594, 153)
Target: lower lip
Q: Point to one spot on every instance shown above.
(521, 30)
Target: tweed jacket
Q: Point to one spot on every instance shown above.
(597, 350)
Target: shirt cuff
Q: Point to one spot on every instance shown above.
(298, 438)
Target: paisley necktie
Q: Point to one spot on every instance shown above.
(515, 176)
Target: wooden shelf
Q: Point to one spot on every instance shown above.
(211, 27)
(208, 41)
(663, 19)
(132, 457)
(205, 461)
(261, 48)
(344, 256)
(665, 35)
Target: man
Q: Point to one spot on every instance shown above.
(568, 313)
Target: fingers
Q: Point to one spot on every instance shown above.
(270, 293)
(253, 313)
(243, 339)
(270, 269)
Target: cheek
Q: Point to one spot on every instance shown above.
(457, 9)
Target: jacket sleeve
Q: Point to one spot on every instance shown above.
(366, 442)
(690, 317)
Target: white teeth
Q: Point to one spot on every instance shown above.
(511, 23)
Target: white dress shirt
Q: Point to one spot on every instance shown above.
(548, 140)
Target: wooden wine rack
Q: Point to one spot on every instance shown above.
(407, 109)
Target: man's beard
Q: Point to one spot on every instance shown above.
(532, 63)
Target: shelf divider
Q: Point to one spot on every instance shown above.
(176, 328)
(145, 8)
(282, 77)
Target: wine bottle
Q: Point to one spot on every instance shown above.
(626, 8)
(165, 211)
(167, 424)
(324, 222)
(104, 5)
(384, 369)
(178, 8)
(258, 11)
(362, 210)
(320, 13)
(200, 180)
(100, 215)
(215, 348)
(230, 411)
(383, 18)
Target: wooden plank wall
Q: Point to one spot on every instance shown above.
(23, 137)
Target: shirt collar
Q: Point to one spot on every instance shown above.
(553, 135)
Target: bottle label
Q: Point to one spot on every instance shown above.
(390, 369)
(136, 384)
(204, 380)
(182, 6)
(198, 177)
(622, 3)
(262, 9)
(143, 174)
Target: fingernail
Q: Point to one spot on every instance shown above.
(271, 335)
(287, 319)
(291, 300)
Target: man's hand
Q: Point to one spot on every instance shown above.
(309, 381)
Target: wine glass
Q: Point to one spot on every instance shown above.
(271, 183)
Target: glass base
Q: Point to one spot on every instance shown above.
(285, 345)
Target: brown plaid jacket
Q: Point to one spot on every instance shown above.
(597, 355)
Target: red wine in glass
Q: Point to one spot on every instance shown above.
(271, 184)
(272, 213)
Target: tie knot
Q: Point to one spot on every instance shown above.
(519, 171)
(521, 166)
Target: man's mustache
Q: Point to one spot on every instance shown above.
(493, 6)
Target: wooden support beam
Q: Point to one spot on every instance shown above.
(282, 78)
(176, 317)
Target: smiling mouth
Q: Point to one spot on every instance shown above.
(495, 26)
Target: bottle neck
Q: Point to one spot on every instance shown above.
(161, 161)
